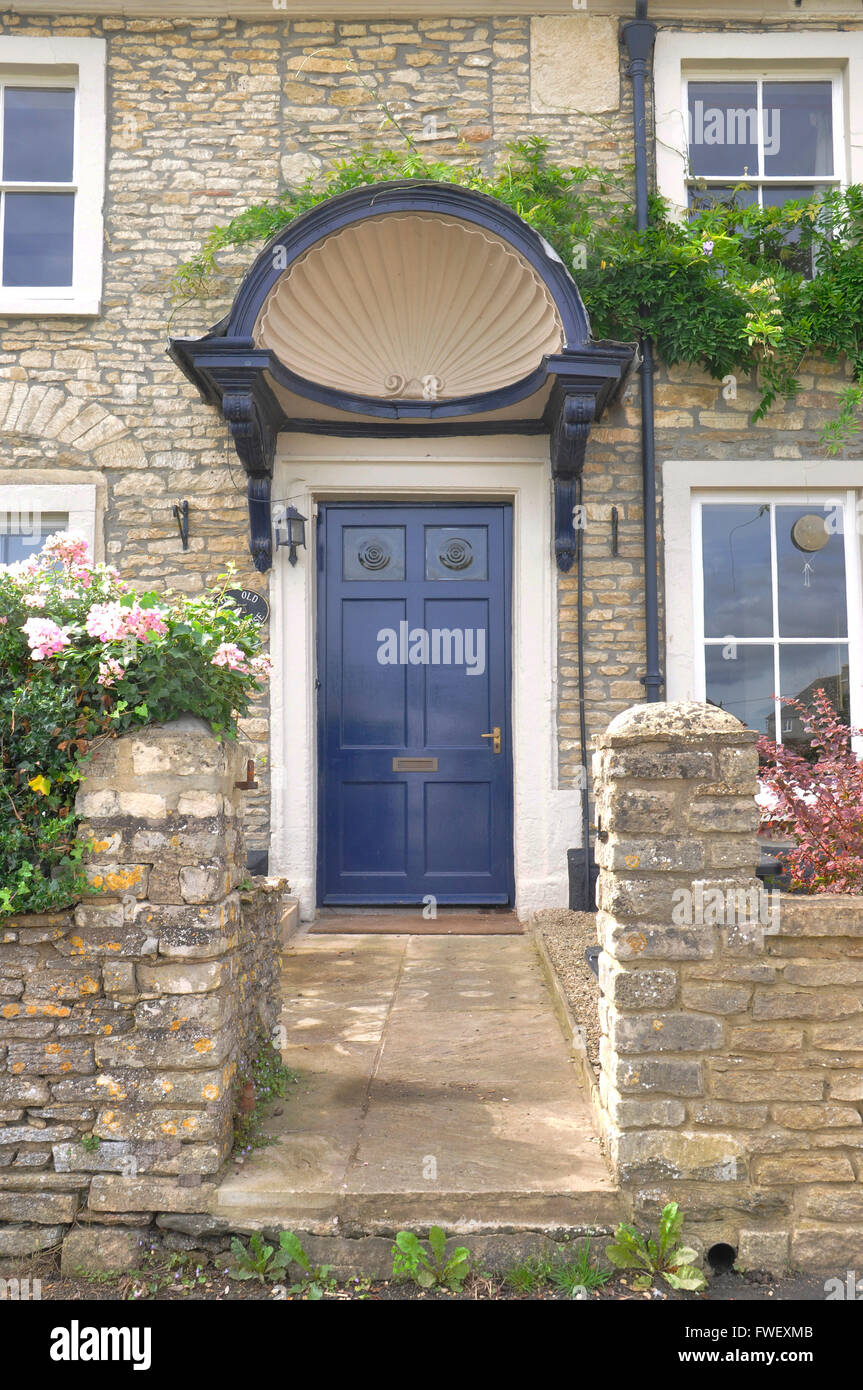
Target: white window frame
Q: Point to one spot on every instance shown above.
(758, 181)
(79, 501)
(821, 504)
(78, 63)
(806, 482)
(804, 55)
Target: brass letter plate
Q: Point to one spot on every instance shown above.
(414, 764)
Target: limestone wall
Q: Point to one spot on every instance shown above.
(732, 1020)
(125, 1019)
(210, 115)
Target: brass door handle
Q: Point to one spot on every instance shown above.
(495, 738)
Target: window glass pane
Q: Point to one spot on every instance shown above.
(37, 240)
(805, 669)
(373, 552)
(735, 540)
(740, 679)
(714, 194)
(775, 195)
(38, 134)
(810, 567)
(723, 128)
(22, 533)
(797, 120)
(456, 552)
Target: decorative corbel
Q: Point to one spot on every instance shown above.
(568, 444)
(251, 415)
(255, 442)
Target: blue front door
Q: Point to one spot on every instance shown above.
(414, 675)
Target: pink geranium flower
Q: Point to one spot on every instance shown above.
(44, 638)
(112, 622)
(67, 547)
(109, 671)
(230, 655)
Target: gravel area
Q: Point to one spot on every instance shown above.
(566, 934)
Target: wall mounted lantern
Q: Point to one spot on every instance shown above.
(291, 531)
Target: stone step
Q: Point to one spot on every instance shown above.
(553, 1214)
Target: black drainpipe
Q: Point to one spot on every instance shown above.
(587, 901)
(638, 35)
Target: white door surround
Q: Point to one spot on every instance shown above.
(513, 468)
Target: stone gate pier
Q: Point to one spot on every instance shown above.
(732, 1018)
(123, 1021)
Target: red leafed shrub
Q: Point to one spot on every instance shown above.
(818, 803)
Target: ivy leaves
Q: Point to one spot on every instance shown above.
(729, 288)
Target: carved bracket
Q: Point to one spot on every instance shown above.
(252, 415)
(233, 374)
(255, 441)
(569, 437)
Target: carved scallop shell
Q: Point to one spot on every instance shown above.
(410, 305)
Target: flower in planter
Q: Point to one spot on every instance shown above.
(112, 622)
(109, 671)
(83, 657)
(44, 637)
(229, 654)
(68, 548)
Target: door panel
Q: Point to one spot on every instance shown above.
(414, 640)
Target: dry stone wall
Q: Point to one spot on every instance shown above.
(124, 1020)
(732, 1018)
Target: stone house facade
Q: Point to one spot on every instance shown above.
(146, 128)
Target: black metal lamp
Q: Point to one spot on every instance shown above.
(291, 531)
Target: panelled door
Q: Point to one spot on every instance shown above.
(414, 722)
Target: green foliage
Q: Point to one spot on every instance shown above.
(573, 1274)
(91, 1143)
(270, 1080)
(257, 1260)
(665, 1257)
(578, 1273)
(315, 1280)
(560, 204)
(430, 1268)
(159, 1273)
(266, 1263)
(729, 288)
(83, 658)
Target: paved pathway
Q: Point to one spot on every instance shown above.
(435, 1084)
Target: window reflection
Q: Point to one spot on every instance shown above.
(775, 611)
(38, 135)
(802, 671)
(741, 681)
(736, 560)
(37, 239)
(811, 582)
